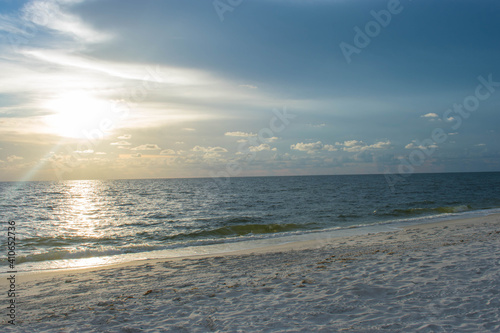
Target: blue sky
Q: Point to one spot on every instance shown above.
(159, 89)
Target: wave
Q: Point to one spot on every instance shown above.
(432, 210)
(347, 216)
(159, 215)
(241, 230)
(66, 254)
(223, 234)
(241, 219)
(41, 242)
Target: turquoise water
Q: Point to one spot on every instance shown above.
(91, 222)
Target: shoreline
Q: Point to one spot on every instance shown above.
(243, 245)
(298, 245)
(427, 277)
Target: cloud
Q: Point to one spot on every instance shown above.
(209, 149)
(13, 158)
(249, 86)
(262, 147)
(414, 145)
(429, 115)
(12, 25)
(272, 139)
(189, 129)
(352, 143)
(364, 156)
(120, 143)
(240, 134)
(149, 146)
(125, 137)
(330, 148)
(49, 14)
(434, 117)
(380, 145)
(308, 147)
(88, 151)
(355, 146)
(168, 152)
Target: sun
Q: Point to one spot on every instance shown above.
(77, 114)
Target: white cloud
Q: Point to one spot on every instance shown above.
(380, 145)
(329, 148)
(355, 149)
(148, 146)
(240, 134)
(352, 143)
(249, 86)
(125, 137)
(12, 158)
(429, 115)
(355, 146)
(349, 146)
(209, 149)
(168, 152)
(12, 26)
(481, 145)
(48, 13)
(414, 145)
(88, 151)
(262, 147)
(308, 147)
(120, 143)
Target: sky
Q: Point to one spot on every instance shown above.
(107, 89)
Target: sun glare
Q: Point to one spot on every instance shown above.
(77, 114)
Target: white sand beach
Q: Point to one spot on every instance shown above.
(441, 277)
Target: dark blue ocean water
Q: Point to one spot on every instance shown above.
(59, 224)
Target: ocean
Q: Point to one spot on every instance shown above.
(89, 223)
